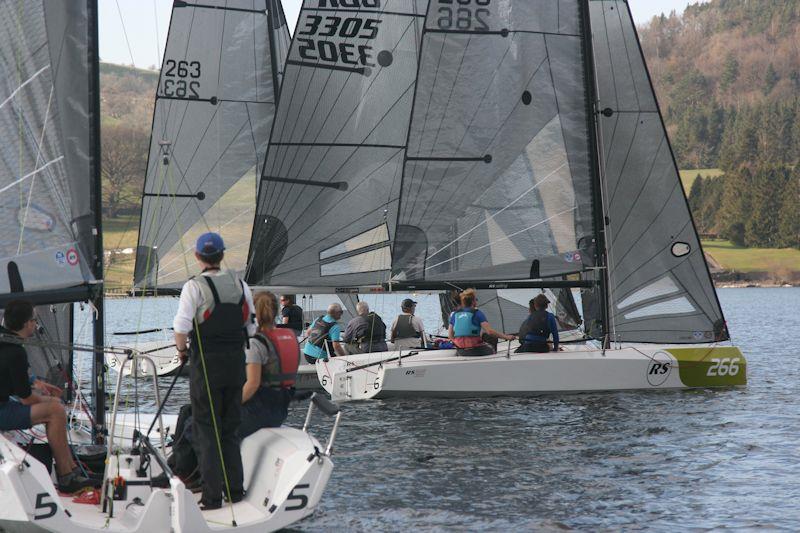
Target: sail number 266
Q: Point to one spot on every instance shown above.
(463, 14)
(723, 367)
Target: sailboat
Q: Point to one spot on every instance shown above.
(50, 182)
(499, 145)
(214, 107)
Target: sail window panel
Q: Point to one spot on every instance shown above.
(675, 306)
(551, 16)
(660, 287)
(332, 101)
(368, 238)
(372, 261)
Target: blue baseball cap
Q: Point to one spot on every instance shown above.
(209, 244)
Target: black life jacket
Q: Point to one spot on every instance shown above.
(536, 327)
(320, 331)
(283, 373)
(370, 329)
(220, 324)
(404, 329)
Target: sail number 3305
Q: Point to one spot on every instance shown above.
(723, 367)
(180, 79)
(463, 15)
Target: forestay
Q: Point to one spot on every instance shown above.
(214, 109)
(660, 289)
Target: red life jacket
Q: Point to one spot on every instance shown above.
(288, 350)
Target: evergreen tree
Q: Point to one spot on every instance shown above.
(730, 72)
(696, 194)
(735, 205)
(789, 219)
(771, 79)
(761, 223)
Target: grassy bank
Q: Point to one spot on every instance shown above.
(688, 176)
(778, 261)
(119, 235)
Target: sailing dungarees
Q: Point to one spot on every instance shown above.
(218, 337)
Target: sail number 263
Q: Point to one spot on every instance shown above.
(180, 79)
(463, 15)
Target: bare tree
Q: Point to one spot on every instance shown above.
(124, 158)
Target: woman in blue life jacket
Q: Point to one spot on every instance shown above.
(470, 330)
(538, 327)
(272, 360)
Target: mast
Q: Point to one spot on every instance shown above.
(273, 60)
(98, 324)
(598, 207)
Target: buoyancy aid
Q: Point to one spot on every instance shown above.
(319, 333)
(464, 325)
(370, 329)
(283, 373)
(536, 327)
(221, 320)
(404, 329)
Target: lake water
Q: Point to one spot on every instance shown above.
(701, 459)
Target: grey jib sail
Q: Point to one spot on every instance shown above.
(47, 168)
(659, 286)
(214, 109)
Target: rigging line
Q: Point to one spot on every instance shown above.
(426, 115)
(36, 164)
(125, 33)
(624, 164)
(610, 59)
(158, 42)
(22, 85)
(486, 220)
(30, 174)
(351, 114)
(200, 185)
(504, 238)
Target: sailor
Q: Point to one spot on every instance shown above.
(366, 332)
(215, 311)
(408, 330)
(325, 336)
(272, 360)
(291, 314)
(538, 327)
(29, 408)
(466, 325)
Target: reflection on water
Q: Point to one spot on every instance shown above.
(658, 460)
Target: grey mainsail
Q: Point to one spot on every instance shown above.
(214, 108)
(49, 170)
(337, 150)
(660, 289)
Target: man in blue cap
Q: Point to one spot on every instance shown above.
(215, 317)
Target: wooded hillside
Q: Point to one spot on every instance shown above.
(727, 74)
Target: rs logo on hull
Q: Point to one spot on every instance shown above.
(659, 369)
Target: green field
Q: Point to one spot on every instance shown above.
(688, 176)
(777, 261)
(118, 234)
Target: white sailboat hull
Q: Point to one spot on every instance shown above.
(581, 368)
(285, 477)
(162, 354)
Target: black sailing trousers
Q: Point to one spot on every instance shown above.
(227, 401)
